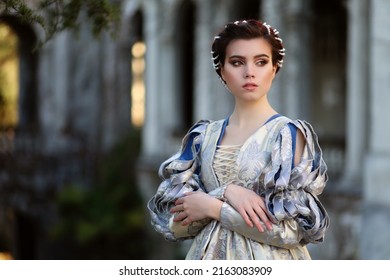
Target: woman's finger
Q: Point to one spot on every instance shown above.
(262, 215)
(246, 218)
(180, 216)
(255, 219)
(186, 221)
(179, 201)
(177, 208)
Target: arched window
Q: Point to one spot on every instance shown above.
(184, 50)
(18, 121)
(251, 9)
(27, 73)
(328, 97)
(18, 68)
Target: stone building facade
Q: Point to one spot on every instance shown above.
(334, 76)
(73, 107)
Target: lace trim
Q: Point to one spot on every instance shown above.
(224, 163)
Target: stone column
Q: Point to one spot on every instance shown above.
(150, 136)
(376, 210)
(357, 91)
(154, 142)
(297, 78)
(272, 14)
(212, 101)
(203, 71)
(53, 91)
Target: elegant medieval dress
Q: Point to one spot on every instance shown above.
(264, 164)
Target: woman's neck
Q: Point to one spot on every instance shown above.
(247, 115)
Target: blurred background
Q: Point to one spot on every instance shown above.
(86, 120)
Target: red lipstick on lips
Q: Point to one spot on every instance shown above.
(250, 86)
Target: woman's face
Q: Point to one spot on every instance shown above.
(248, 69)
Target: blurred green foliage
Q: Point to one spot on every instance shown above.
(106, 221)
(57, 15)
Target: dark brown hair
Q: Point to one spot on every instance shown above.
(246, 29)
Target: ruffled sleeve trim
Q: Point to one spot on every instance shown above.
(179, 174)
(292, 194)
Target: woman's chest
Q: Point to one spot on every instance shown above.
(244, 165)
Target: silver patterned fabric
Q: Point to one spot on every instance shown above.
(264, 165)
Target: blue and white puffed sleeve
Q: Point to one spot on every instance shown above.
(292, 194)
(179, 174)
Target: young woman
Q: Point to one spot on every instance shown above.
(245, 187)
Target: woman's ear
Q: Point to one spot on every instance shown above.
(274, 70)
(223, 73)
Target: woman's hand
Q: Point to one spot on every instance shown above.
(195, 206)
(250, 205)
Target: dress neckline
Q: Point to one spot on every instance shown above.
(226, 122)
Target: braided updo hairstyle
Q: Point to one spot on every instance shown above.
(246, 29)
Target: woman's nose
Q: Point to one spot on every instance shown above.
(249, 71)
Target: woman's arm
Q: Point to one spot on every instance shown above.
(246, 214)
(179, 175)
(250, 205)
(285, 234)
(192, 210)
(195, 206)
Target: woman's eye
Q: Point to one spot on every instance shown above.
(262, 62)
(236, 63)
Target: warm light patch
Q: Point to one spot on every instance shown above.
(9, 77)
(5, 256)
(138, 85)
(138, 50)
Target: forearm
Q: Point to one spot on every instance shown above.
(192, 213)
(286, 234)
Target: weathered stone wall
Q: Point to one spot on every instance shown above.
(345, 89)
(83, 102)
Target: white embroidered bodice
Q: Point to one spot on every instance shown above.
(224, 163)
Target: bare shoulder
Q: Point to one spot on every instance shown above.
(300, 145)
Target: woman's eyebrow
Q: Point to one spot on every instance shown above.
(262, 55)
(243, 57)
